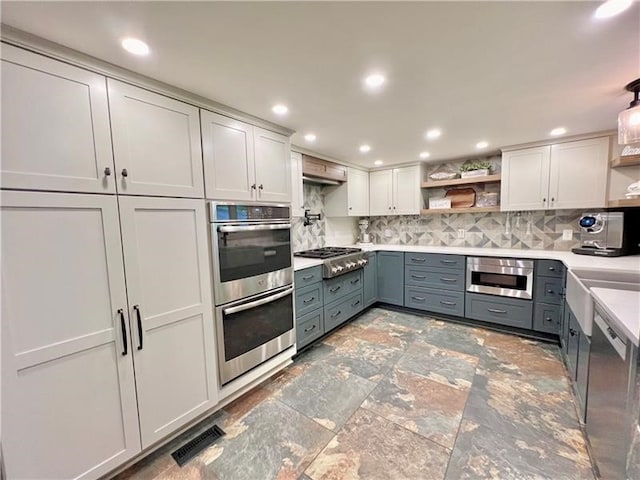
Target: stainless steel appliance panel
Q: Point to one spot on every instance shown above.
(506, 277)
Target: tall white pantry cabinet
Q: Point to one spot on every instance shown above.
(108, 341)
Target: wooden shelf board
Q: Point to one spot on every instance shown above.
(626, 161)
(624, 202)
(462, 181)
(438, 211)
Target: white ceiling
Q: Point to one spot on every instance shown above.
(505, 72)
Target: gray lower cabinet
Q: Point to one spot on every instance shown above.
(337, 287)
(573, 343)
(434, 300)
(309, 327)
(308, 276)
(370, 280)
(339, 312)
(549, 290)
(512, 312)
(550, 268)
(435, 277)
(391, 277)
(547, 318)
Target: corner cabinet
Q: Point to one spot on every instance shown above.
(395, 192)
(351, 199)
(243, 162)
(560, 176)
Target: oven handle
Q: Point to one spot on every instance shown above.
(257, 303)
(253, 228)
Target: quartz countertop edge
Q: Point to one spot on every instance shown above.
(570, 260)
(622, 307)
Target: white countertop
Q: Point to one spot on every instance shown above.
(300, 263)
(622, 307)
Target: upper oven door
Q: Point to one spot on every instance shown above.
(250, 259)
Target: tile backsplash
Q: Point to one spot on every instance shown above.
(314, 235)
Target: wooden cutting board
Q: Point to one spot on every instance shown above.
(461, 197)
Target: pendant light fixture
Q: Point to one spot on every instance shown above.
(629, 119)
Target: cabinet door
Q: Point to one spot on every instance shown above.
(273, 166)
(297, 187)
(156, 143)
(391, 277)
(55, 126)
(227, 153)
(573, 341)
(169, 291)
(67, 371)
(525, 179)
(578, 177)
(370, 280)
(406, 191)
(380, 192)
(357, 193)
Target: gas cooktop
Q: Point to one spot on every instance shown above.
(337, 260)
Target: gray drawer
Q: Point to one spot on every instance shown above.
(504, 311)
(308, 276)
(434, 300)
(308, 299)
(549, 268)
(446, 278)
(338, 287)
(548, 290)
(339, 312)
(546, 318)
(309, 327)
(435, 260)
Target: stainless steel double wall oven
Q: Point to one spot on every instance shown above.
(253, 284)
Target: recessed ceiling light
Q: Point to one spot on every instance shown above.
(378, 162)
(365, 148)
(135, 46)
(612, 8)
(424, 155)
(481, 145)
(558, 131)
(310, 137)
(375, 80)
(279, 109)
(434, 133)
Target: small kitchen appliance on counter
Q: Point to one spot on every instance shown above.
(364, 237)
(336, 260)
(609, 234)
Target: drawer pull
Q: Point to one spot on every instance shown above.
(334, 315)
(448, 262)
(308, 277)
(552, 269)
(355, 280)
(420, 299)
(495, 310)
(356, 303)
(307, 330)
(572, 332)
(550, 292)
(446, 279)
(548, 319)
(413, 259)
(309, 300)
(420, 277)
(452, 304)
(335, 289)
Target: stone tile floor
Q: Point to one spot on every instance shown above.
(394, 396)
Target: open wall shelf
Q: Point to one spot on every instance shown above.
(440, 211)
(462, 181)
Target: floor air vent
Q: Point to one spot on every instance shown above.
(196, 445)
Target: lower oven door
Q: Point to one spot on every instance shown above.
(252, 330)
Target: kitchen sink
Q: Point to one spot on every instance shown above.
(579, 283)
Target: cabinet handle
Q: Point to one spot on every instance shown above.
(334, 290)
(307, 330)
(336, 314)
(572, 332)
(253, 187)
(421, 260)
(548, 319)
(137, 309)
(495, 310)
(553, 199)
(550, 292)
(448, 262)
(612, 333)
(420, 299)
(445, 279)
(419, 277)
(309, 300)
(261, 187)
(350, 208)
(394, 207)
(356, 303)
(308, 277)
(125, 173)
(107, 171)
(451, 304)
(544, 200)
(123, 325)
(354, 281)
(552, 269)
(389, 208)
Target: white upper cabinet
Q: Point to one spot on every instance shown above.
(273, 165)
(560, 176)
(351, 199)
(395, 191)
(67, 369)
(169, 291)
(156, 143)
(243, 162)
(525, 179)
(578, 174)
(297, 187)
(55, 126)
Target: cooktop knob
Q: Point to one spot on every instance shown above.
(334, 269)
(340, 268)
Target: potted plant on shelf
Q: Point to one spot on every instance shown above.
(476, 168)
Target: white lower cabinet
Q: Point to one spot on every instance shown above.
(71, 342)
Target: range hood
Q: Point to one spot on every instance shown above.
(322, 172)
